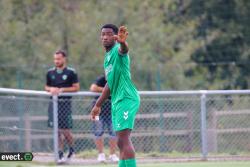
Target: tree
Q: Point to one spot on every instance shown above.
(223, 59)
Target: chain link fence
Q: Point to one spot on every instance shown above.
(168, 124)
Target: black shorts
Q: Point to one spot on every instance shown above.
(65, 120)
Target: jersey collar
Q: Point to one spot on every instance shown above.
(59, 71)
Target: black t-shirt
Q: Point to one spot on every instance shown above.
(61, 78)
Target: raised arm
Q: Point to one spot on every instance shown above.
(121, 38)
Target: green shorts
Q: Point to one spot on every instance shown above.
(123, 114)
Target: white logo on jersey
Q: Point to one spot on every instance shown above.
(125, 116)
(108, 57)
(64, 77)
(108, 69)
(118, 126)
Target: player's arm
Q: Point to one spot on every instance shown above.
(97, 108)
(104, 96)
(52, 90)
(95, 88)
(47, 88)
(74, 88)
(121, 38)
(56, 91)
(124, 48)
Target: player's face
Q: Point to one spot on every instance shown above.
(59, 60)
(107, 37)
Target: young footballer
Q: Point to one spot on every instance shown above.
(124, 96)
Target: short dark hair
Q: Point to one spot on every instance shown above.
(112, 26)
(62, 52)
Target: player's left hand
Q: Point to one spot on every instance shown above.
(122, 35)
(95, 112)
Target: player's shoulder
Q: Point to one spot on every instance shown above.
(71, 69)
(114, 48)
(52, 69)
(114, 52)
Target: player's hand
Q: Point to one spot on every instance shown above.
(54, 91)
(95, 112)
(122, 35)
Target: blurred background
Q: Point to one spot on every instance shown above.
(174, 44)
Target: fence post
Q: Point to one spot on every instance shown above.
(203, 127)
(55, 126)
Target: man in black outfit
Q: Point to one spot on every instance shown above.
(61, 79)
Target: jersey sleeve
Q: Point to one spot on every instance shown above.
(120, 54)
(74, 78)
(48, 81)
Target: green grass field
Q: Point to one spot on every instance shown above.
(184, 164)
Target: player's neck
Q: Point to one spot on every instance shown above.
(61, 68)
(108, 48)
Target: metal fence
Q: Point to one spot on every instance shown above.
(169, 124)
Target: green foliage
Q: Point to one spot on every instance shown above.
(174, 44)
(223, 60)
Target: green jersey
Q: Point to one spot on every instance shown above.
(117, 71)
